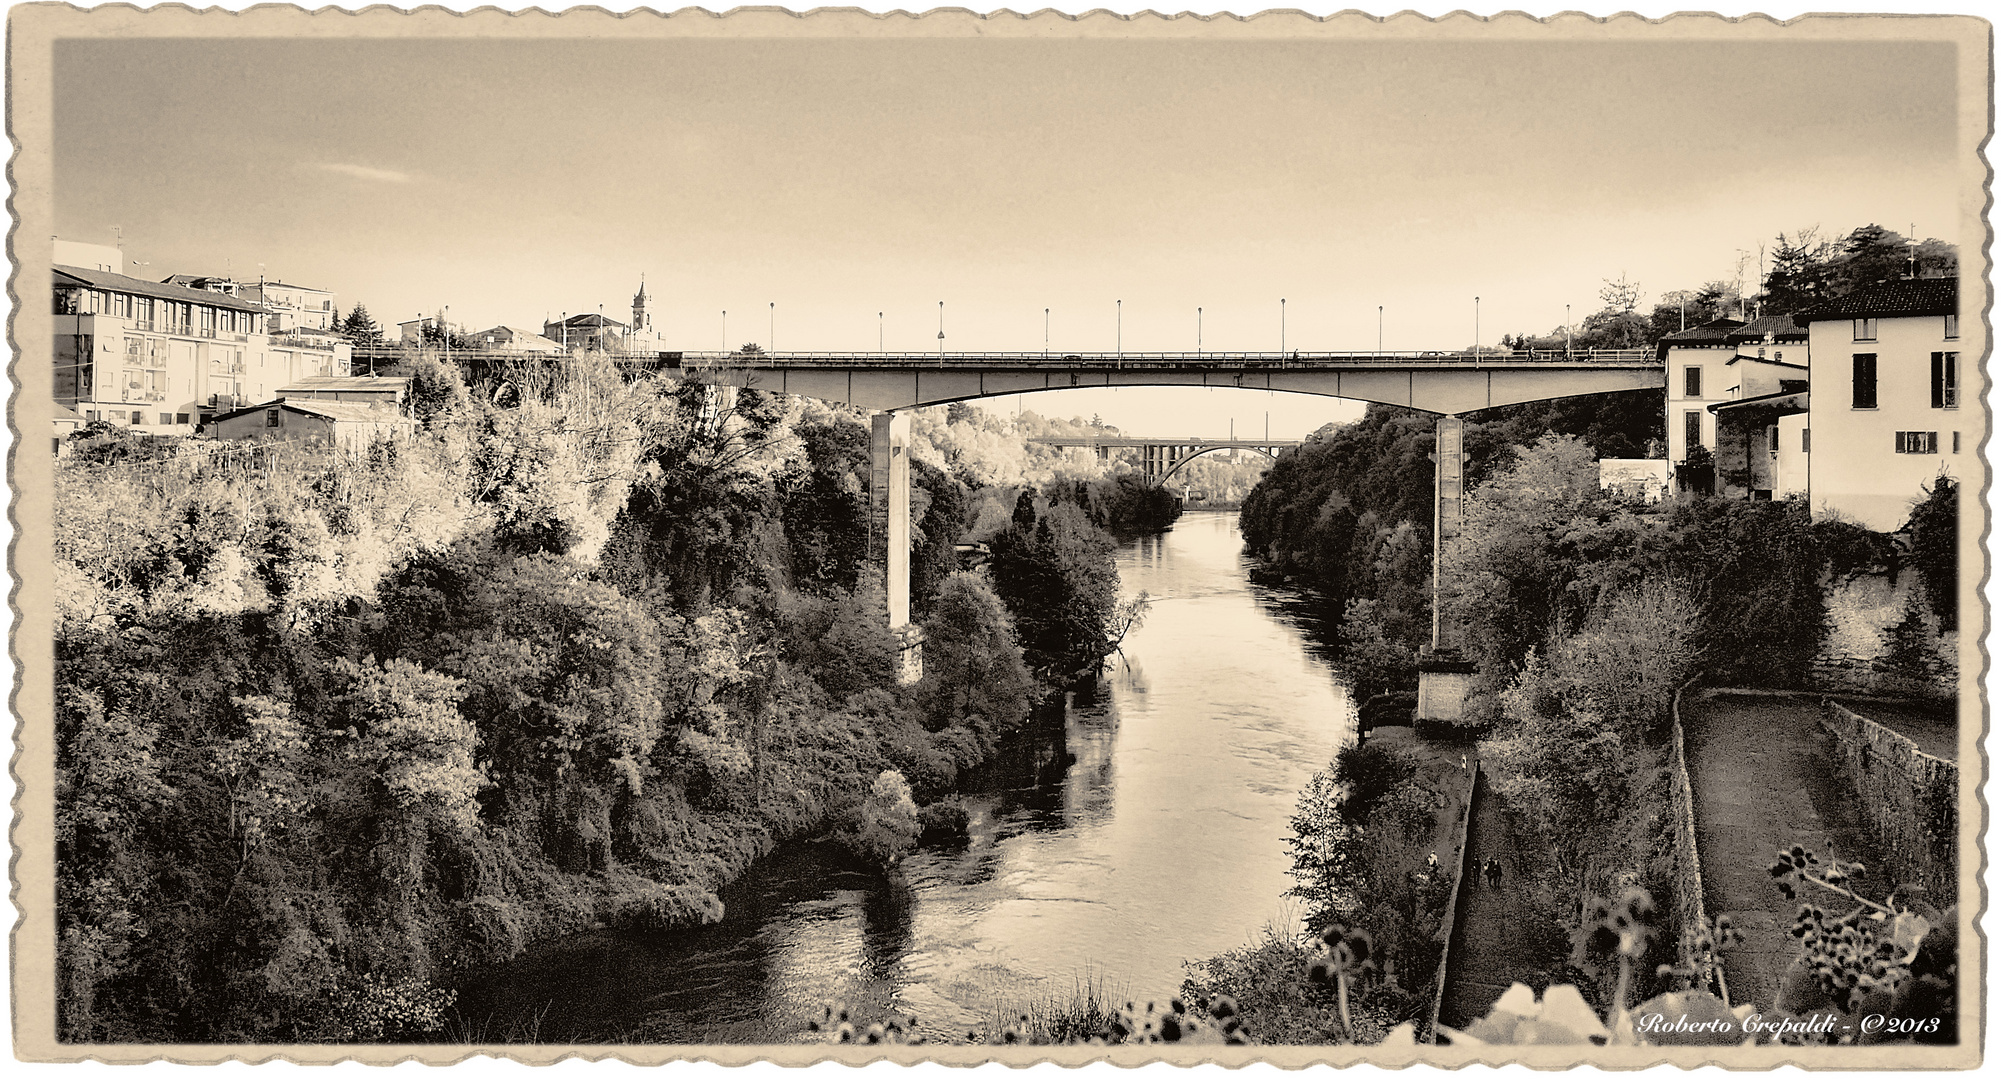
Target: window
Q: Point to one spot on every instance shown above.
(1945, 380)
(1951, 327)
(1865, 381)
(118, 416)
(1691, 381)
(138, 418)
(180, 418)
(1955, 442)
(1865, 329)
(166, 418)
(270, 418)
(134, 346)
(92, 414)
(1917, 442)
(1772, 438)
(1691, 427)
(1806, 440)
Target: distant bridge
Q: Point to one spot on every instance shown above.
(1161, 458)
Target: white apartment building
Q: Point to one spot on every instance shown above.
(159, 357)
(1893, 411)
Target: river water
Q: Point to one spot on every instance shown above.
(1146, 829)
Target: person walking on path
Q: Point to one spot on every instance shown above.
(1494, 873)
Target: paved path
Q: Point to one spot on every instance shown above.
(1502, 937)
(1765, 776)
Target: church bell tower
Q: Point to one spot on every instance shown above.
(640, 323)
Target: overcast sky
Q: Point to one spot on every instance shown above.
(516, 181)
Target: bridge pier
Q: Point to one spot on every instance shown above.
(1444, 675)
(889, 517)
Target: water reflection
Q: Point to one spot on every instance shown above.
(1142, 826)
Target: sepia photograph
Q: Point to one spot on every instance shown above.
(642, 535)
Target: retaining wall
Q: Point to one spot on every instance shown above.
(1909, 799)
(1685, 907)
(1860, 612)
(1450, 925)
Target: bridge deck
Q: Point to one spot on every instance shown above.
(1156, 361)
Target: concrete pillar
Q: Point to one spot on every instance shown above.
(889, 506)
(1443, 673)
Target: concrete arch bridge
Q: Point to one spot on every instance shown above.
(1160, 459)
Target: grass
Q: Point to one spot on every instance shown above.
(1084, 1013)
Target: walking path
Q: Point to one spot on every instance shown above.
(1502, 936)
(1765, 777)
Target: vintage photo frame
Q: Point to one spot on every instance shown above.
(35, 30)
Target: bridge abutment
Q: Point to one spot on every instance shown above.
(889, 517)
(1444, 674)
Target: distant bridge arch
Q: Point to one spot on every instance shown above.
(1163, 456)
(1179, 465)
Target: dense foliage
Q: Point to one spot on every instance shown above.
(335, 728)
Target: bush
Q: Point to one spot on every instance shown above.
(1368, 771)
(886, 827)
(944, 823)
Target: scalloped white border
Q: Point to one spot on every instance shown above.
(700, 1059)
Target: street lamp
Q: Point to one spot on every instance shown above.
(1281, 327)
(726, 329)
(1566, 329)
(771, 332)
(878, 331)
(1119, 328)
(1476, 326)
(1045, 332)
(941, 329)
(1379, 329)
(1198, 331)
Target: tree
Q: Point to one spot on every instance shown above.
(359, 328)
(974, 673)
(1621, 296)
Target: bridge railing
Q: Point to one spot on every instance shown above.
(1298, 358)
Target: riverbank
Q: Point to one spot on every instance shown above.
(1143, 829)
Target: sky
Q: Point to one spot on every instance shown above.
(829, 194)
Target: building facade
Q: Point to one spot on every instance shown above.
(160, 358)
(292, 306)
(1698, 376)
(1892, 412)
(345, 425)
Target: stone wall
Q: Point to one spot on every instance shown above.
(1861, 610)
(1451, 922)
(1685, 908)
(1909, 799)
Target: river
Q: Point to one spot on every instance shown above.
(1147, 829)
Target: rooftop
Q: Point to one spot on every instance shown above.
(1781, 327)
(383, 383)
(332, 410)
(1889, 300)
(158, 290)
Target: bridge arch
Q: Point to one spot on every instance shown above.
(1169, 474)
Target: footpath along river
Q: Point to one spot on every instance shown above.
(1146, 829)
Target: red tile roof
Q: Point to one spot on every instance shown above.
(1889, 300)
